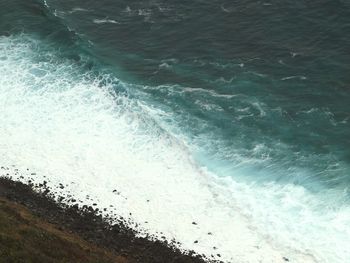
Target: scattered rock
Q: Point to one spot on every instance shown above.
(110, 233)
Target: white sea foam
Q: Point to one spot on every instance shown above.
(61, 122)
(105, 21)
(78, 9)
(211, 92)
(294, 77)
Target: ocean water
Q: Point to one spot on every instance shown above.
(234, 115)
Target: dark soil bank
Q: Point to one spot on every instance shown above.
(35, 228)
(27, 238)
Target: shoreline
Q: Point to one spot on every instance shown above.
(116, 240)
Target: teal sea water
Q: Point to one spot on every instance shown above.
(254, 93)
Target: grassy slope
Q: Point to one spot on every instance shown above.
(26, 238)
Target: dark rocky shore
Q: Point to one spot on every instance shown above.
(90, 237)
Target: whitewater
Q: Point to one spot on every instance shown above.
(69, 125)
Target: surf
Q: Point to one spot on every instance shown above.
(71, 121)
(72, 128)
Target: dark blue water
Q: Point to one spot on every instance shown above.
(258, 91)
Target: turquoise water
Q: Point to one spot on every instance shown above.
(262, 81)
(256, 92)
